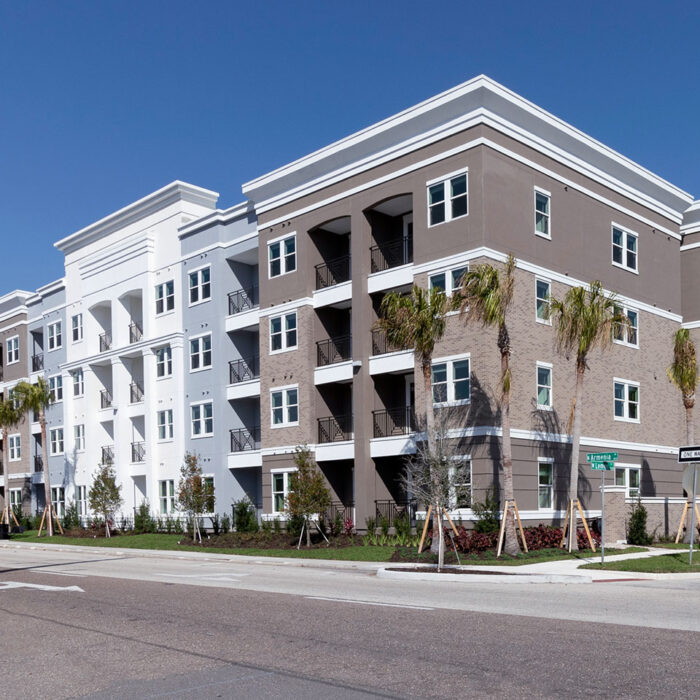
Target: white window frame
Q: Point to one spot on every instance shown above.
(76, 328)
(12, 349)
(14, 446)
(450, 381)
(54, 336)
(14, 500)
(283, 257)
(285, 472)
(452, 469)
(166, 363)
(81, 500)
(55, 441)
(627, 468)
(548, 366)
(547, 214)
(446, 181)
(78, 382)
(286, 405)
(56, 387)
(166, 496)
(167, 300)
(450, 287)
(58, 500)
(198, 286)
(549, 461)
(626, 310)
(285, 347)
(79, 437)
(205, 478)
(546, 321)
(202, 419)
(166, 424)
(625, 234)
(200, 352)
(627, 383)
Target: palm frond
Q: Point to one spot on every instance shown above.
(683, 371)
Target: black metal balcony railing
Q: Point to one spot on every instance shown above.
(243, 439)
(38, 362)
(105, 341)
(243, 300)
(391, 510)
(2, 468)
(138, 451)
(333, 272)
(333, 350)
(380, 345)
(105, 398)
(339, 508)
(135, 332)
(393, 254)
(108, 454)
(38, 463)
(243, 370)
(135, 393)
(335, 428)
(394, 421)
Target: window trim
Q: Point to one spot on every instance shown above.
(17, 439)
(626, 309)
(55, 390)
(449, 289)
(194, 436)
(285, 406)
(285, 471)
(164, 298)
(550, 367)
(13, 498)
(82, 503)
(79, 372)
(283, 264)
(56, 335)
(166, 363)
(548, 282)
(627, 466)
(78, 327)
(446, 179)
(550, 462)
(450, 360)
(60, 511)
(539, 190)
(63, 441)
(626, 232)
(200, 352)
(169, 498)
(171, 437)
(453, 493)
(627, 383)
(7, 349)
(75, 437)
(198, 270)
(283, 332)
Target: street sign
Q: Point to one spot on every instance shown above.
(603, 456)
(689, 454)
(603, 466)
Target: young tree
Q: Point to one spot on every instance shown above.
(36, 398)
(418, 321)
(9, 418)
(308, 493)
(485, 297)
(585, 319)
(195, 494)
(683, 372)
(105, 496)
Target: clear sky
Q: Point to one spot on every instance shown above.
(102, 102)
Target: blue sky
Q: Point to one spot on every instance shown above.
(103, 102)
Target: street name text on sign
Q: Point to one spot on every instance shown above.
(689, 454)
(603, 466)
(593, 457)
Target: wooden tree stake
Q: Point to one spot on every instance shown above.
(686, 508)
(425, 528)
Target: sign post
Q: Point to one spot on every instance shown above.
(602, 462)
(691, 455)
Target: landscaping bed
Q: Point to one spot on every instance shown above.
(662, 564)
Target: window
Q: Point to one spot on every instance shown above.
(202, 419)
(13, 350)
(624, 249)
(282, 256)
(56, 441)
(79, 437)
(543, 293)
(200, 352)
(167, 496)
(449, 281)
(165, 424)
(164, 361)
(14, 446)
(58, 500)
(200, 285)
(284, 407)
(283, 332)
(447, 198)
(78, 382)
(626, 400)
(629, 478)
(545, 484)
(77, 327)
(56, 387)
(165, 297)
(451, 381)
(81, 500)
(542, 200)
(627, 335)
(12, 396)
(544, 386)
(280, 490)
(208, 484)
(16, 499)
(461, 483)
(55, 335)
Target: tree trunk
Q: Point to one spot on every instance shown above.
(6, 470)
(689, 427)
(308, 533)
(107, 525)
(47, 478)
(441, 540)
(437, 542)
(575, 446)
(511, 544)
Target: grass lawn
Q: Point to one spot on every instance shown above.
(663, 564)
(349, 553)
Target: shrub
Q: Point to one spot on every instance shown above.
(402, 526)
(371, 524)
(226, 524)
(348, 526)
(336, 525)
(267, 526)
(143, 521)
(384, 525)
(637, 527)
(71, 520)
(244, 516)
(294, 525)
(488, 516)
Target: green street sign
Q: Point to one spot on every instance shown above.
(603, 466)
(601, 457)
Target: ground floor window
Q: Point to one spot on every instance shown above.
(461, 483)
(16, 499)
(167, 496)
(81, 500)
(58, 500)
(280, 491)
(545, 484)
(629, 478)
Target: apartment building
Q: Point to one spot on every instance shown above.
(241, 333)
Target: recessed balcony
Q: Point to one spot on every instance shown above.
(243, 300)
(335, 429)
(135, 332)
(135, 393)
(333, 350)
(105, 341)
(333, 272)
(105, 398)
(243, 439)
(389, 422)
(244, 370)
(38, 362)
(138, 452)
(107, 455)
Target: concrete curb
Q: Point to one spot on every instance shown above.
(491, 577)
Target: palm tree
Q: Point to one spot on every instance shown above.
(417, 320)
(683, 372)
(36, 398)
(9, 418)
(585, 319)
(485, 297)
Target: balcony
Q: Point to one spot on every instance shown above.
(394, 254)
(108, 454)
(333, 272)
(333, 350)
(105, 399)
(38, 362)
(390, 422)
(135, 393)
(381, 346)
(391, 510)
(243, 439)
(138, 452)
(243, 370)
(135, 333)
(243, 300)
(335, 429)
(38, 463)
(105, 341)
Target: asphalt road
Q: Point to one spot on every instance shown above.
(122, 626)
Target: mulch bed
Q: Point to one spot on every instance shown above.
(449, 570)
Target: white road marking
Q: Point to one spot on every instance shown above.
(58, 573)
(231, 577)
(366, 602)
(16, 584)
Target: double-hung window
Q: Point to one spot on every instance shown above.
(451, 381)
(545, 484)
(77, 327)
(628, 476)
(81, 500)
(13, 349)
(78, 382)
(280, 490)
(544, 385)
(200, 285)
(283, 332)
(14, 444)
(543, 294)
(284, 406)
(282, 256)
(56, 387)
(447, 198)
(79, 437)
(165, 297)
(58, 500)
(449, 281)
(627, 334)
(56, 441)
(165, 424)
(542, 213)
(16, 499)
(55, 335)
(200, 352)
(202, 419)
(460, 475)
(626, 400)
(167, 496)
(624, 248)
(164, 361)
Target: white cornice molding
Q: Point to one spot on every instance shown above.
(218, 216)
(286, 306)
